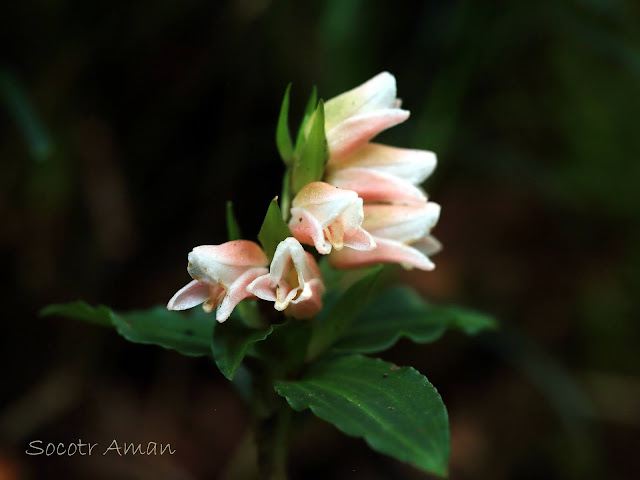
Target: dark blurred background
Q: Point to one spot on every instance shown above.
(126, 126)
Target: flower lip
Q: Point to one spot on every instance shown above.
(293, 283)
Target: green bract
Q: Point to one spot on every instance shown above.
(273, 229)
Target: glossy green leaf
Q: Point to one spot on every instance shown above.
(396, 410)
(273, 229)
(308, 112)
(309, 166)
(233, 229)
(400, 312)
(231, 340)
(335, 320)
(187, 334)
(283, 137)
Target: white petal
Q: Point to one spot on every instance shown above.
(413, 166)
(192, 294)
(404, 223)
(377, 93)
(237, 292)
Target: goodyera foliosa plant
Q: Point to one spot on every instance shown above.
(347, 206)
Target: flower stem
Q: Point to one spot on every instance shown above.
(273, 438)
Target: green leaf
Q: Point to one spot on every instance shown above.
(233, 229)
(396, 410)
(79, 310)
(189, 335)
(336, 319)
(230, 343)
(283, 137)
(273, 229)
(400, 312)
(469, 321)
(309, 167)
(308, 112)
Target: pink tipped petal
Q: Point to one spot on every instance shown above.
(414, 166)
(310, 307)
(224, 263)
(307, 229)
(386, 251)
(428, 245)
(261, 288)
(192, 294)
(403, 223)
(359, 239)
(376, 93)
(354, 132)
(238, 292)
(237, 253)
(374, 186)
(322, 194)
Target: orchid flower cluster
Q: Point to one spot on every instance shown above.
(364, 206)
(346, 202)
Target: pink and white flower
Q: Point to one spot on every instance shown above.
(379, 173)
(326, 216)
(294, 281)
(355, 117)
(402, 235)
(221, 274)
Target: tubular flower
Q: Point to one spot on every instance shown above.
(402, 236)
(327, 216)
(379, 173)
(294, 282)
(221, 274)
(355, 117)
